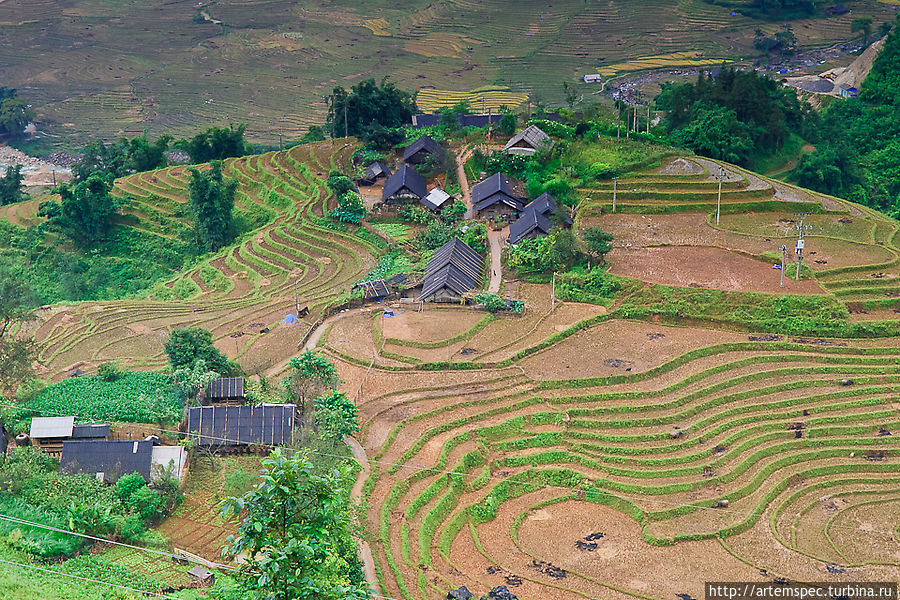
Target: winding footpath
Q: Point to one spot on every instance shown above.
(365, 553)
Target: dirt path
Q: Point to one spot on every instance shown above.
(463, 180)
(495, 244)
(365, 553)
(310, 344)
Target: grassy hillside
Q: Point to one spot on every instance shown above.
(99, 69)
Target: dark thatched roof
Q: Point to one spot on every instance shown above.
(455, 266)
(496, 188)
(407, 179)
(423, 143)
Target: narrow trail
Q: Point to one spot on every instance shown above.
(310, 344)
(463, 180)
(365, 553)
(495, 244)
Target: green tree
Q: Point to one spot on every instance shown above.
(369, 108)
(195, 378)
(311, 375)
(84, 212)
(144, 156)
(716, 132)
(336, 415)
(295, 534)
(339, 183)
(454, 212)
(598, 242)
(216, 143)
(508, 123)
(15, 113)
(11, 185)
(864, 26)
(187, 346)
(212, 202)
(17, 299)
(492, 302)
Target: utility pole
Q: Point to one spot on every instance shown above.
(615, 185)
(297, 296)
(634, 115)
(720, 176)
(783, 250)
(346, 131)
(648, 119)
(332, 119)
(553, 292)
(800, 242)
(627, 122)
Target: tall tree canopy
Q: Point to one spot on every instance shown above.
(11, 185)
(743, 106)
(212, 203)
(369, 108)
(216, 143)
(85, 210)
(121, 157)
(185, 347)
(15, 113)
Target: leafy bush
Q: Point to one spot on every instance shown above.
(109, 371)
(492, 302)
(415, 213)
(137, 397)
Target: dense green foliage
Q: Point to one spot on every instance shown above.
(597, 242)
(187, 346)
(216, 143)
(85, 211)
(121, 157)
(135, 397)
(437, 234)
(295, 532)
(736, 116)
(858, 151)
(31, 488)
(11, 186)
(554, 252)
(336, 415)
(211, 198)
(15, 113)
(370, 109)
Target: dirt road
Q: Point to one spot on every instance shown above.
(463, 180)
(365, 553)
(311, 343)
(496, 240)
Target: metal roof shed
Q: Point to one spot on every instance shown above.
(108, 460)
(51, 427)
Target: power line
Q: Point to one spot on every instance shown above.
(115, 585)
(99, 539)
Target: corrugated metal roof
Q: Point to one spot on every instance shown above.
(51, 427)
(112, 458)
(405, 178)
(376, 169)
(226, 387)
(270, 425)
(435, 199)
(377, 288)
(90, 431)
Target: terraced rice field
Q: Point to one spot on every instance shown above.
(571, 454)
(236, 293)
(489, 98)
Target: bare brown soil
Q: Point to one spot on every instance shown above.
(696, 266)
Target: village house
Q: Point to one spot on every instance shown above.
(452, 271)
(437, 199)
(49, 433)
(226, 390)
(420, 150)
(373, 173)
(404, 186)
(494, 197)
(527, 142)
(535, 219)
(234, 426)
